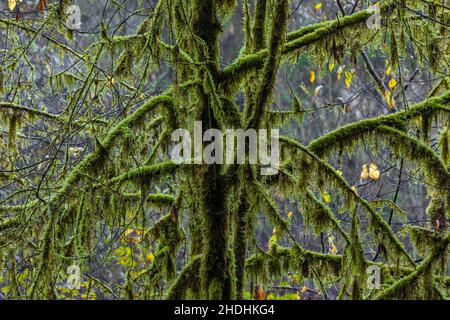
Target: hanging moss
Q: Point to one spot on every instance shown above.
(186, 279)
(168, 234)
(265, 87)
(418, 284)
(319, 216)
(444, 144)
(423, 239)
(354, 262)
(146, 173)
(378, 226)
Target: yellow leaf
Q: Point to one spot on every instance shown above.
(12, 4)
(304, 289)
(388, 70)
(326, 197)
(333, 249)
(339, 172)
(273, 240)
(75, 150)
(375, 175)
(392, 83)
(389, 99)
(150, 257)
(312, 76)
(354, 189)
(316, 92)
(348, 78)
(331, 66)
(111, 82)
(364, 172)
(318, 6)
(374, 172)
(290, 213)
(339, 72)
(133, 236)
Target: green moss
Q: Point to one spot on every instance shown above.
(259, 25)
(146, 173)
(9, 223)
(444, 144)
(235, 73)
(319, 216)
(324, 172)
(187, 278)
(418, 284)
(264, 90)
(345, 137)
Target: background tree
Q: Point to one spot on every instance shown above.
(87, 177)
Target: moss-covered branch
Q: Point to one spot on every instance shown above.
(267, 81)
(146, 173)
(407, 288)
(342, 137)
(187, 278)
(96, 157)
(44, 114)
(296, 40)
(381, 229)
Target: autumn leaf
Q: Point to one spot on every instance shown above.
(388, 70)
(318, 6)
(392, 83)
(259, 294)
(331, 66)
(42, 4)
(150, 257)
(312, 76)
(75, 150)
(12, 4)
(364, 172)
(133, 236)
(290, 214)
(333, 248)
(339, 72)
(389, 99)
(374, 173)
(316, 92)
(111, 81)
(273, 239)
(326, 197)
(348, 78)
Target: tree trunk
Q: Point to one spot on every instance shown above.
(240, 246)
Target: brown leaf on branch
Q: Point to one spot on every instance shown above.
(42, 4)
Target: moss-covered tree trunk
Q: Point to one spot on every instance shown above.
(240, 246)
(216, 276)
